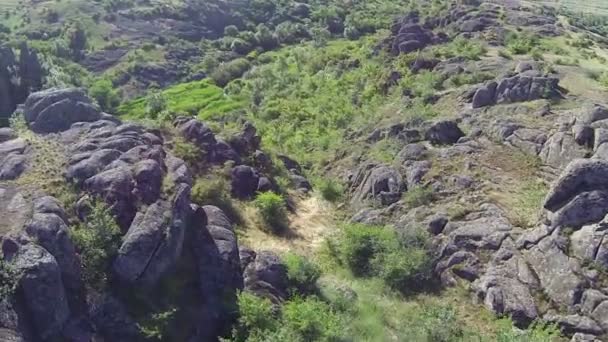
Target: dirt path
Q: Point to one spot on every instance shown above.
(309, 227)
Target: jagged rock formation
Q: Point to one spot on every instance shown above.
(147, 190)
(17, 78)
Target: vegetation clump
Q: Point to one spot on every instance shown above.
(97, 240)
(272, 210)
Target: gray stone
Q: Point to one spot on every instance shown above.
(154, 241)
(266, 276)
(12, 166)
(43, 290)
(444, 133)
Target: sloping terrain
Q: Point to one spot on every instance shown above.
(319, 171)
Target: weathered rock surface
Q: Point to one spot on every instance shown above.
(266, 276)
(381, 183)
(443, 133)
(56, 110)
(154, 241)
(518, 88)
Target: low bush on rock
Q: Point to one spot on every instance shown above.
(97, 241)
(272, 209)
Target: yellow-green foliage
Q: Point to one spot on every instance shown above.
(194, 98)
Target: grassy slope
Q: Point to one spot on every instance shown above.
(192, 98)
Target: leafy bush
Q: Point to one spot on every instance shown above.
(331, 190)
(156, 326)
(300, 320)
(519, 44)
(256, 317)
(97, 240)
(403, 263)
(311, 320)
(215, 192)
(104, 93)
(272, 209)
(156, 103)
(302, 273)
(440, 324)
(9, 279)
(229, 71)
(187, 151)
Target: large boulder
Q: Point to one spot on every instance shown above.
(43, 290)
(266, 276)
(154, 241)
(217, 258)
(381, 183)
(245, 181)
(443, 133)
(55, 110)
(579, 195)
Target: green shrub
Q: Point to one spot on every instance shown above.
(302, 273)
(311, 320)
(104, 93)
(272, 209)
(187, 151)
(537, 332)
(216, 192)
(418, 196)
(156, 326)
(97, 241)
(441, 325)
(226, 72)
(519, 44)
(156, 102)
(256, 317)
(360, 244)
(403, 263)
(9, 279)
(331, 190)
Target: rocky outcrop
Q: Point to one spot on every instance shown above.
(443, 133)
(266, 276)
(17, 78)
(153, 243)
(380, 183)
(579, 196)
(216, 252)
(518, 88)
(56, 110)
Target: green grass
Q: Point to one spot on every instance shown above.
(195, 98)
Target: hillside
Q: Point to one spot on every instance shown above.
(275, 170)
